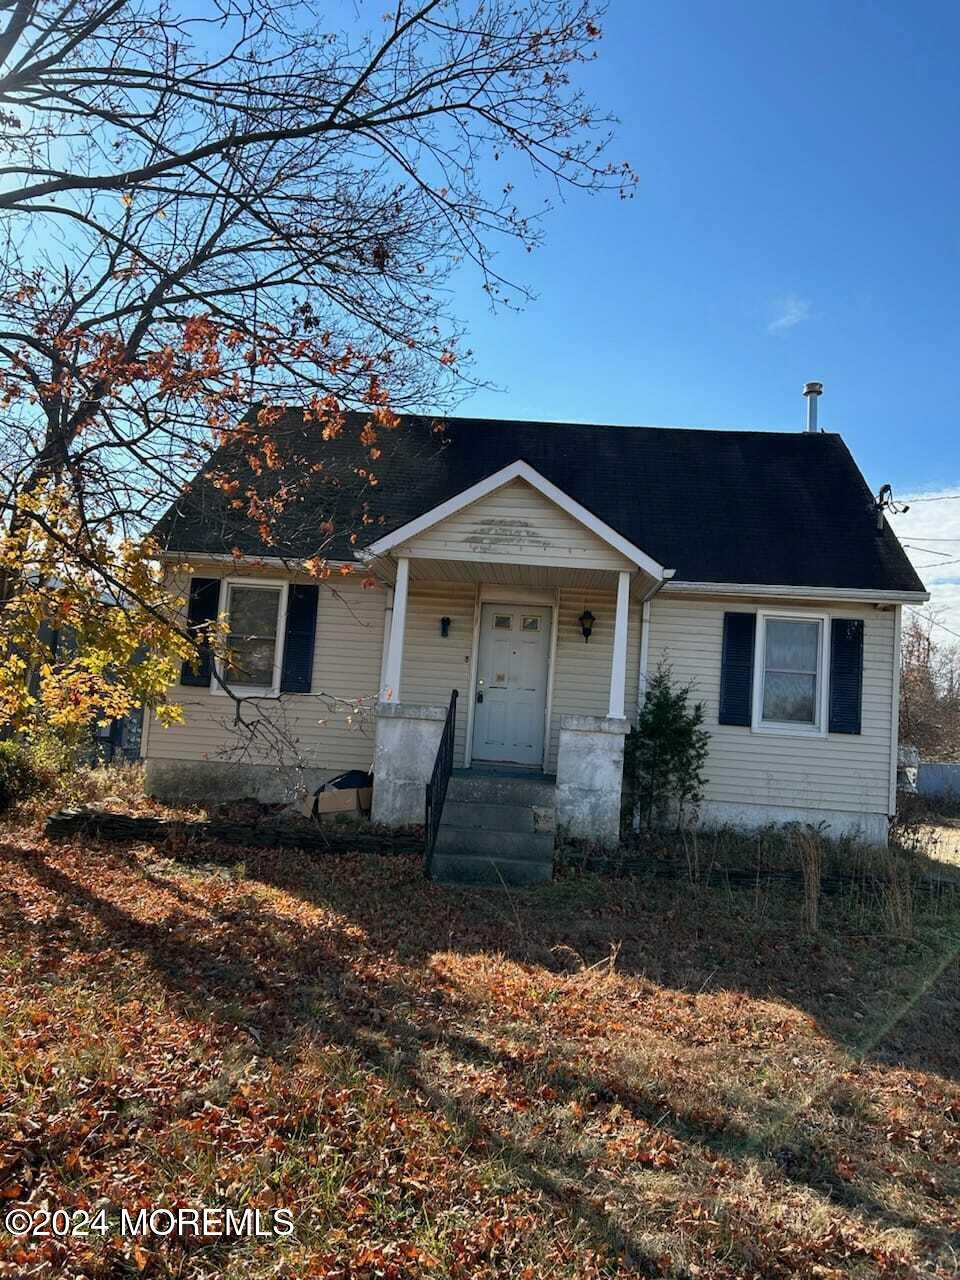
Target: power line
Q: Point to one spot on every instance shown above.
(933, 622)
(945, 497)
(931, 551)
(936, 564)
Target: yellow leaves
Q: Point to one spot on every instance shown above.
(168, 713)
(89, 632)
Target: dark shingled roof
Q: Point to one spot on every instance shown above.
(763, 507)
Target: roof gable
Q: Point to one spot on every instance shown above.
(517, 515)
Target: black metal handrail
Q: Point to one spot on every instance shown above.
(437, 786)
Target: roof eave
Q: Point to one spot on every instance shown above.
(866, 595)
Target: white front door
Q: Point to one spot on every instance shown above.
(511, 693)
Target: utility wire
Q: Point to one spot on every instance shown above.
(931, 551)
(917, 614)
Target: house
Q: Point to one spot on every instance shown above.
(542, 570)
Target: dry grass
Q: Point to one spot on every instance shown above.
(809, 849)
(116, 787)
(598, 1078)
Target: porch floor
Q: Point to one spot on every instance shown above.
(490, 769)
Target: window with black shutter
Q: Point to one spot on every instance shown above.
(790, 656)
(202, 606)
(846, 674)
(736, 668)
(301, 629)
(254, 611)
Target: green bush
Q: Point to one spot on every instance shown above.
(665, 753)
(20, 776)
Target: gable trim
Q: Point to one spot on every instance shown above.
(520, 470)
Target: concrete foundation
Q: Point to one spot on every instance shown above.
(590, 778)
(209, 782)
(408, 736)
(870, 828)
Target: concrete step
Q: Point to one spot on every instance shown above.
(479, 788)
(482, 815)
(490, 872)
(468, 841)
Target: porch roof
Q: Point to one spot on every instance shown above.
(627, 554)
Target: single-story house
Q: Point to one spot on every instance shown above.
(543, 570)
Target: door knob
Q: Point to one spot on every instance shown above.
(479, 695)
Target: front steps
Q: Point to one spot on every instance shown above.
(497, 829)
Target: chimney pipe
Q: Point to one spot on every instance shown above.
(813, 391)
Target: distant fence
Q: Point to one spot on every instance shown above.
(938, 779)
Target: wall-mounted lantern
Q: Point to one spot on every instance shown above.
(586, 621)
(444, 627)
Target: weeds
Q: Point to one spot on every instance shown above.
(809, 846)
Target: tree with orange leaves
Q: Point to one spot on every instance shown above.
(214, 206)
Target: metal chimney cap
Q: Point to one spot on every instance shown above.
(813, 388)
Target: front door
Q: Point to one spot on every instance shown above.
(511, 694)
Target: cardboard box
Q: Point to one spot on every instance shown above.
(340, 800)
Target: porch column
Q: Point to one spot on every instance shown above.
(618, 672)
(394, 664)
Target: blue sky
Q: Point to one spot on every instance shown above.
(798, 217)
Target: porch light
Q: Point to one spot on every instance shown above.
(444, 627)
(586, 621)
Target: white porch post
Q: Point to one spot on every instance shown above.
(391, 676)
(618, 672)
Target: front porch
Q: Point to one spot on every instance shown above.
(533, 610)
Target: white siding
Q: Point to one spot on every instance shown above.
(432, 665)
(346, 665)
(519, 525)
(838, 772)
(581, 683)
(845, 772)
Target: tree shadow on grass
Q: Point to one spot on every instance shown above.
(284, 979)
(889, 999)
(208, 974)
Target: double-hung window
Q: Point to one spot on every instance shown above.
(255, 612)
(790, 686)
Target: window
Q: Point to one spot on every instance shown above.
(503, 621)
(255, 612)
(789, 673)
(531, 623)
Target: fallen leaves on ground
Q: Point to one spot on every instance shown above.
(604, 1079)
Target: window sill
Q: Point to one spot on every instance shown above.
(243, 691)
(790, 730)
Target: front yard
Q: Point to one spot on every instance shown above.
(602, 1077)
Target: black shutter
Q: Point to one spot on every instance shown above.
(846, 674)
(202, 608)
(736, 668)
(298, 641)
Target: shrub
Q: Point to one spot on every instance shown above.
(20, 775)
(666, 752)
